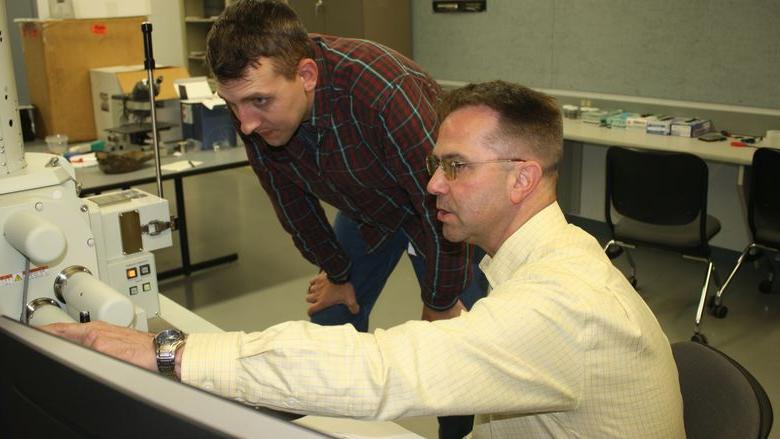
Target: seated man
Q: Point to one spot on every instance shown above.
(562, 347)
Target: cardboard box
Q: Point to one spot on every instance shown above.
(661, 125)
(205, 117)
(638, 122)
(120, 80)
(690, 127)
(620, 120)
(58, 55)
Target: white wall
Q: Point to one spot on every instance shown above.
(167, 32)
(99, 8)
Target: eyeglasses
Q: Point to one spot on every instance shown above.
(451, 167)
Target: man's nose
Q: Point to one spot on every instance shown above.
(249, 122)
(437, 185)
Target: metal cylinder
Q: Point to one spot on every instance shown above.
(146, 29)
(44, 310)
(11, 146)
(80, 291)
(40, 240)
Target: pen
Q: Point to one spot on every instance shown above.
(191, 164)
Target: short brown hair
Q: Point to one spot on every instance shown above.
(250, 29)
(525, 115)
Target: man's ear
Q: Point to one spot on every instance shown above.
(308, 71)
(526, 177)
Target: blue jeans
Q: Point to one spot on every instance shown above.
(368, 276)
(370, 272)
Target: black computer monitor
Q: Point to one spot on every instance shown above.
(52, 388)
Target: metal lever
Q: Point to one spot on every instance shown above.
(155, 227)
(146, 29)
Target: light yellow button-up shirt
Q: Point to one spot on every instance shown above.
(562, 347)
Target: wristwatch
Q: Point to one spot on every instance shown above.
(166, 343)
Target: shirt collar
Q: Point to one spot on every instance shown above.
(319, 116)
(518, 248)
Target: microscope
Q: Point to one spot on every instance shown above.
(133, 130)
(65, 258)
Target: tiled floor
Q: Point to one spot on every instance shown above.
(228, 211)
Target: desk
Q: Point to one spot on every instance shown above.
(726, 166)
(93, 181)
(723, 152)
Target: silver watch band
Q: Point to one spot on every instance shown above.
(166, 344)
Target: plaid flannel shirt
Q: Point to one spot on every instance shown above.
(362, 150)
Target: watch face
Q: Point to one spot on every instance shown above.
(168, 335)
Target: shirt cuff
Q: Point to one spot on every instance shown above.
(209, 362)
(340, 280)
(342, 276)
(441, 306)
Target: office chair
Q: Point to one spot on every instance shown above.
(763, 220)
(721, 399)
(660, 199)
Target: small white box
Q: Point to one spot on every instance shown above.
(638, 121)
(690, 127)
(661, 125)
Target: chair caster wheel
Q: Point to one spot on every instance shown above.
(699, 338)
(719, 311)
(633, 281)
(765, 286)
(753, 254)
(614, 251)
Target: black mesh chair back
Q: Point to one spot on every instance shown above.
(660, 200)
(721, 399)
(657, 188)
(764, 200)
(763, 218)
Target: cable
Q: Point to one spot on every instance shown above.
(25, 288)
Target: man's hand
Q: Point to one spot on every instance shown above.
(324, 293)
(126, 344)
(431, 314)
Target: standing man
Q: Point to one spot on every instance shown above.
(562, 347)
(348, 122)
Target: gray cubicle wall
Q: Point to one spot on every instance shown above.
(714, 51)
(721, 54)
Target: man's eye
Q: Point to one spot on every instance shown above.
(260, 102)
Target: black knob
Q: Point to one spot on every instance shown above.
(146, 28)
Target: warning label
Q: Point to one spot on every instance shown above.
(13, 278)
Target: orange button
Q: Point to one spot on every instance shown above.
(132, 273)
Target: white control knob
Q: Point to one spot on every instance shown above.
(40, 240)
(44, 310)
(81, 292)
